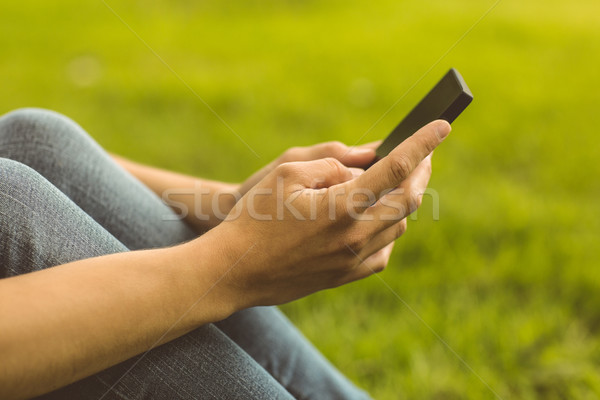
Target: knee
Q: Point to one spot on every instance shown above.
(17, 179)
(38, 126)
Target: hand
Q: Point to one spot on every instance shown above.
(360, 157)
(308, 226)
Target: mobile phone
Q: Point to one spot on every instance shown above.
(448, 98)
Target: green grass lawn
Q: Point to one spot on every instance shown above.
(502, 293)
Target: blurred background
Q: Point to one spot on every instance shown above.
(506, 280)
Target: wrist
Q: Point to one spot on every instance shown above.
(210, 204)
(213, 261)
(229, 196)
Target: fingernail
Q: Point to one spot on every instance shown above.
(443, 129)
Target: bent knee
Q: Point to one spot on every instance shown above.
(16, 177)
(27, 125)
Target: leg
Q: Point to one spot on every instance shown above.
(80, 168)
(40, 227)
(59, 150)
(203, 364)
(275, 343)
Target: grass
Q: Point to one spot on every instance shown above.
(501, 294)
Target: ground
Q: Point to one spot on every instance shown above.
(499, 296)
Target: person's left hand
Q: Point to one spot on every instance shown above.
(356, 157)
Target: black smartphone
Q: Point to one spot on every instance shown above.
(448, 98)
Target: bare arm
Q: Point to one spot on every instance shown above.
(64, 323)
(68, 322)
(203, 203)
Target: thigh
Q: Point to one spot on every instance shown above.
(40, 228)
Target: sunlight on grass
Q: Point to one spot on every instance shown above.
(508, 276)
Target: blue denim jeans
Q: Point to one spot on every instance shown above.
(62, 199)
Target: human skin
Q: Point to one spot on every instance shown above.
(48, 339)
(194, 198)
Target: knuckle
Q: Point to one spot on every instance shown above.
(336, 165)
(355, 243)
(401, 166)
(429, 145)
(335, 148)
(378, 266)
(416, 199)
(376, 263)
(290, 154)
(401, 228)
(427, 142)
(285, 169)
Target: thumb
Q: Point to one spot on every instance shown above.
(391, 170)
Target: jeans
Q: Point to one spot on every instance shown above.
(62, 199)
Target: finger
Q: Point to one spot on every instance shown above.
(373, 264)
(383, 239)
(356, 156)
(350, 156)
(377, 261)
(320, 173)
(390, 171)
(403, 201)
(371, 145)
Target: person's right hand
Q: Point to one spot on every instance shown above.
(313, 225)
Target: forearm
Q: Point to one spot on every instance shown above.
(201, 202)
(65, 323)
